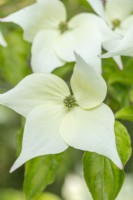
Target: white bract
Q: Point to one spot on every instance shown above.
(118, 14)
(124, 46)
(55, 39)
(56, 118)
(2, 40)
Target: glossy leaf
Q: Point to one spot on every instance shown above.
(103, 178)
(15, 59)
(39, 173)
(123, 142)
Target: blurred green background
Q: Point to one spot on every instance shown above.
(14, 65)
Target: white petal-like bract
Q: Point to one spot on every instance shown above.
(87, 84)
(124, 47)
(41, 134)
(91, 130)
(44, 58)
(35, 90)
(98, 7)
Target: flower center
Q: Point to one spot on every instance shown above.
(63, 27)
(70, 101)
(116, 23)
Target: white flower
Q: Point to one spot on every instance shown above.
(55, 39)
(56, 118)
(117, 13)
(2, 40)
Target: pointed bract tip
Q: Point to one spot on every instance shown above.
(4, 20)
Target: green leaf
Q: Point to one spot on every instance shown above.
(48, 196)
(6, 194)
(109, 67)
(76, 6)
(131, 95)
(15, 58)
(39, 173)
(125, 114)
(113, 74)
(128, 63)
(124, 77)
(120, 93)
(103, 178)
(123, 142)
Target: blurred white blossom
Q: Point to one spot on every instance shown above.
(75, 188)
(118, 14)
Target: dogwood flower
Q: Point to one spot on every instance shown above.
(57, 117)
(55, 39)
(2, 40)
(117, 13)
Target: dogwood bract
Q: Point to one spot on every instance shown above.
(2, 40)
(55, 39)
(56, 118)
(124, 47)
